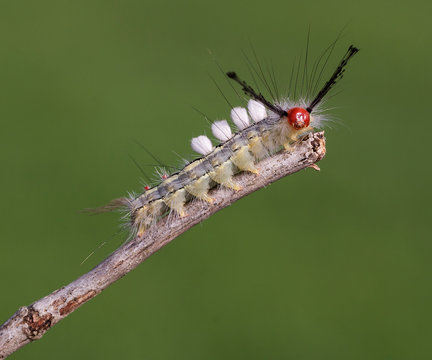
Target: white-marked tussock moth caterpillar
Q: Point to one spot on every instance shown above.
(262, 129)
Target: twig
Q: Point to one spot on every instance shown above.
(31, 322)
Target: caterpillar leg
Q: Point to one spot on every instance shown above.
(223, 175)
(296, 136)
(176, 202)
(147, 216)
(200, 188)
(244, 160)
(257, 147)
(139, 220)
(305, 131)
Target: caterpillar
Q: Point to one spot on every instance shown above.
(262, 129)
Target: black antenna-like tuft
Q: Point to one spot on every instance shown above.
(338, 74)
(248, 90)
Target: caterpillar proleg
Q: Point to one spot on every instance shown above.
(261, 129)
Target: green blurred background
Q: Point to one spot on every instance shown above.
(329, 265)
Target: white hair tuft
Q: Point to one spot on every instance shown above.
(257, 110)
(202, 145)
(221, 130)
(240, 117)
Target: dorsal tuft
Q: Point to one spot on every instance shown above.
(202, 145)
(257, 110)
(221, 130)
(240, 117)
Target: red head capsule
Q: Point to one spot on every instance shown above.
(298, 118)
(146, 187)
